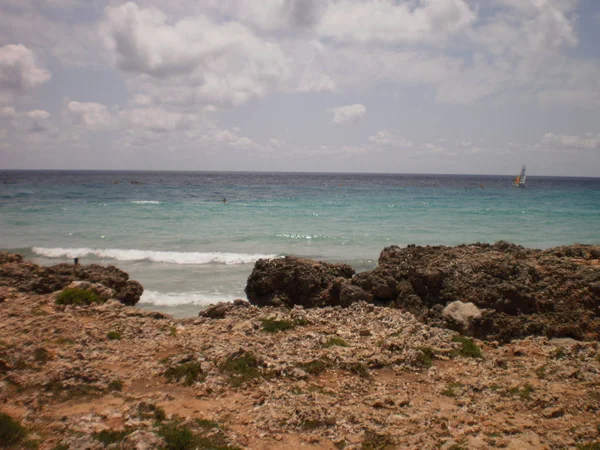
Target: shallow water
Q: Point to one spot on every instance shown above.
(172, 232)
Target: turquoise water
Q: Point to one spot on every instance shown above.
(172, 232)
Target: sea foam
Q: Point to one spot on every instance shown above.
(146, 202)
(186, 258)
(184, 298)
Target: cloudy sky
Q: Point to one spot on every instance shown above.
(405, 86)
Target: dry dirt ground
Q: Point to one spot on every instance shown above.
(112, 376)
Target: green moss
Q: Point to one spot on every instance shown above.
(275, 326)
(241, 367)
(189, 373)
(113, 336)
(335, 341)
(468, 348)
(41, 355)
(375, 441)
(314, 367)
(11, 431)
(108, 437)
(76, 296)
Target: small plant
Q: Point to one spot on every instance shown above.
(115, 385)
(357, 368)
(335, 341)
(108, 437)
(113, 336)
(173, 331)
(190, 372)
(207, 424)
(314, 367)
(177, 436)
(41, 355)
(275, 326)
(541, 371)
(64, 341)
(559, 353)
(61, 447)
(468, 348)
(589, 446)
(525, 393)
(425, 358)
(241, 367)
(11, 431)
(77, 297)
(374, 441)
(149, 411)
(449, 391)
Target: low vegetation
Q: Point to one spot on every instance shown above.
(275, 326)
(11, 431)
(180, 436)
(314, 367)
(108, 437)
(77, 297)
(468, 348)
(241, 367)
(375, 441)
(335, 342)
(113, 336)
(187, 373)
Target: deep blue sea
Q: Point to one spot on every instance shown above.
(172, 231)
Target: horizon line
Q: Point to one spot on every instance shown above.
(288, 172)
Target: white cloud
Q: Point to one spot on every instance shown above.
(394, 22)
(7, 112)
(587, 141)
(385, 138)
(194, 60)
(94, 116)
(19, 73)
(348, 114)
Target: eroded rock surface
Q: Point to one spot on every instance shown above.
(520, 292)
(29, 277)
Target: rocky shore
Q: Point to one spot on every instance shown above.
(329, 360)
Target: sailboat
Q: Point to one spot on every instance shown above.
(521, 178)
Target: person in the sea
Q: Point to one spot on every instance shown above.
(224, 200)
(76, 261)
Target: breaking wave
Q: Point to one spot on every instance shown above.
(185, 258)
(146, 202)
(184, 298)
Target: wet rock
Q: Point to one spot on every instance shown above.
(293, 281)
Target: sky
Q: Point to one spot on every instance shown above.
(393, 86)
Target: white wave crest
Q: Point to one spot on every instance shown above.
(185, 258)
(184, 298)
(146, 202)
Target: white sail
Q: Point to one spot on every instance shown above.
(522, 177)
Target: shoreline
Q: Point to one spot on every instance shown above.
(242, 376)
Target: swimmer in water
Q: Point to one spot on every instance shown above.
(224, 200)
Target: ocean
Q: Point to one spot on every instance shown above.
(172, 232)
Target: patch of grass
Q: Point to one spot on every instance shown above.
(177, 436)
(335, 341)
(524, 393)
(314, 367)
(188, 372)
(11, 431)
(559, 353)
(61, 447)
(64, 341)
(67, 392)
(302, 322)
(38, 312)
(541, 371)
(207, 424)
(113, 336)
(275, 326)
(375, 441)
(78, 297)
(425, 358)
(115, 385)
(357, 368)
(449, 391)
(149, 411)
(241, 367)
(589, 446)
(108, 437)
(41, 355)
(173, 330)
(468, 348)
